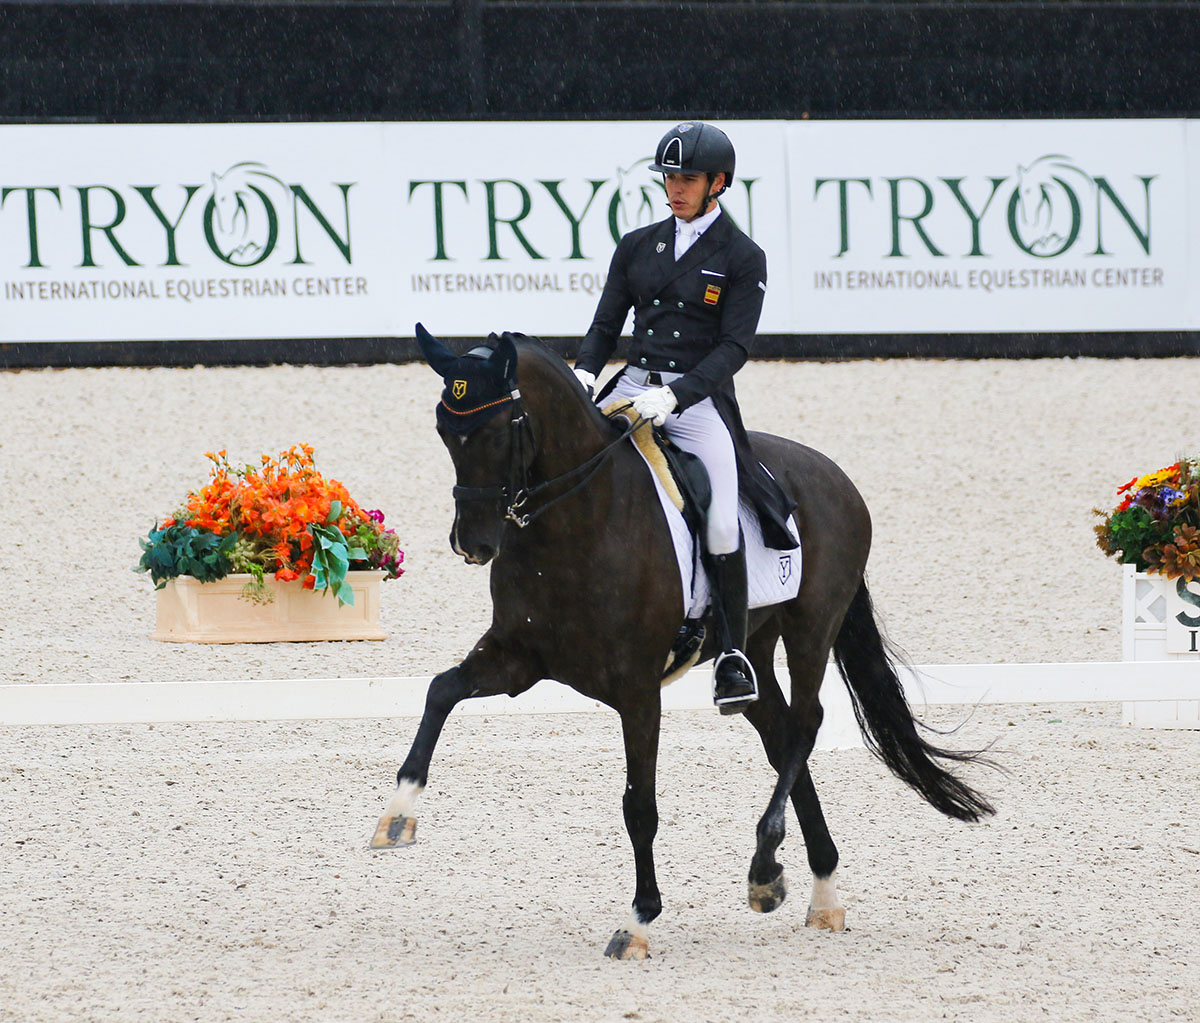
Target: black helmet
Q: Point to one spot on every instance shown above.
(693, 147)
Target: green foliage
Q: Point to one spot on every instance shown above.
(332, 555)
(183, 550)
(1129, 533)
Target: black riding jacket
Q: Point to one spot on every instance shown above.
(695, 316)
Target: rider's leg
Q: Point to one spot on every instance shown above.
(734, 684)
(701, 431)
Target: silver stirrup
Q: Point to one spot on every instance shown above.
(749, 671)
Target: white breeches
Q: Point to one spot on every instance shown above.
(701, 431)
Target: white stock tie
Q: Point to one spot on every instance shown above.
(684, 238)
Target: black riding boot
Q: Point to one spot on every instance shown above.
(734, 684)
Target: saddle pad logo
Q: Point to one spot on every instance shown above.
(712, 294)
(459, 388)
(785, 568)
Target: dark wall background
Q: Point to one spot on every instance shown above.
(370, 60)
(252, 60)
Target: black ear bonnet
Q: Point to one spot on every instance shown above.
(478, 384)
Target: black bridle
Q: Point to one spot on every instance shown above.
(517, 492)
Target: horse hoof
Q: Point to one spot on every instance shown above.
(394, 832)
(826, 919)
(767, 897)
(627, 946)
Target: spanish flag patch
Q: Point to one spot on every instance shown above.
(712, 294)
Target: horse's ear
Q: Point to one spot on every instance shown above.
(504, 358)
(444, 361)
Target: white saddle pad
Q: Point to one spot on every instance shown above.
(772, 576)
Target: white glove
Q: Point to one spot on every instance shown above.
(587, 379)
(655, 405)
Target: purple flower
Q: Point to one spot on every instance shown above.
(375, 515)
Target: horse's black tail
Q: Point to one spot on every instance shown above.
(887, 722)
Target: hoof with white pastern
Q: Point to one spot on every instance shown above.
(396, 832)
(826, 919)
(627, 946)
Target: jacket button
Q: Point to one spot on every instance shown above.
(671, 364)
(656, 301)
(642, 361)
(650, 331)
(680, 305)
(677, 333)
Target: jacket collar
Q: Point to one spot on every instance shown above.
(666, 268)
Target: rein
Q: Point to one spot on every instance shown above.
(517, 494)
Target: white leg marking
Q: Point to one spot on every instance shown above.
(404, 800)
(636, 927)
(824, 893)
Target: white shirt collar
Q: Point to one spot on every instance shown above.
(698, 226)
(687, 233)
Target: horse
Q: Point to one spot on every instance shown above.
(549, 494)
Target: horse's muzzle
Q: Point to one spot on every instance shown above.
(482, 557)
(471, 551)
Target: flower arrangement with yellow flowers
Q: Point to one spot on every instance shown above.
(281, 517)
(1156, 526)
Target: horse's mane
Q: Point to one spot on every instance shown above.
(533, 350)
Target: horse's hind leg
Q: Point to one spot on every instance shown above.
(488, 670)
(807, 669)
(788, 735)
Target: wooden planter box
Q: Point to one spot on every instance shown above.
(194, 612)
(1159, 625)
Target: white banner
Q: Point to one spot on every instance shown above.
(147, 232)
(1009, 226)
(512, 226)
(161, 232)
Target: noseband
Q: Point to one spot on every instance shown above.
(517, 492)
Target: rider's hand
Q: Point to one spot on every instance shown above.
(587, 379)
(655, 405)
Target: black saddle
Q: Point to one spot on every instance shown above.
(692, 479)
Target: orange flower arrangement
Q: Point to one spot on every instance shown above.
(282, 516)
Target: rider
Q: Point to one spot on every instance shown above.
(696, 284)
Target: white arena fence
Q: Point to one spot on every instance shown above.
(378, 698)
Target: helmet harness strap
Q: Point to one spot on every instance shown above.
(712, 197)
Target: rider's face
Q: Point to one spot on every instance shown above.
(688, 193)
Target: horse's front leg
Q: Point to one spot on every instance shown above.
(489, 670)
(641, 728)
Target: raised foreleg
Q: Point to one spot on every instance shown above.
(489, 670)
(641, 728)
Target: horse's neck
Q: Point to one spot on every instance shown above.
(564, 421)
